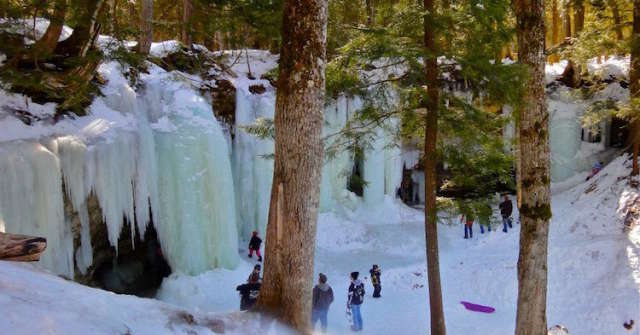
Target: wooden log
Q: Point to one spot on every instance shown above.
(21, 248)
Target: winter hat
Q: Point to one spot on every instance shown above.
(323, 278)
(375, 266)
(354, 275)
(255, 233)
(257, 267)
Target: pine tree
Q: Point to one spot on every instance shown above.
(46, 45)
(535, 209)
(146, 27)
(432, 103)
(634, 87)
(187, 8)
(291, 228)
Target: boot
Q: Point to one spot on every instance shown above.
(259, 258)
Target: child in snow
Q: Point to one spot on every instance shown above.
(322, 298)
(254, 245)
(597, 166)
(249, 291)
(355, 299)
(375, 280)
(254, 277)
(468, 225)
(506, 208)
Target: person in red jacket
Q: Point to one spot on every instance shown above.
(468, 225)
(254, 245)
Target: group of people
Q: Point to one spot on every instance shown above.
(506, 209)
(323, 297)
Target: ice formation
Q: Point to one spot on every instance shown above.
(157, 154)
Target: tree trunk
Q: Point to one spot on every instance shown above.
(566, 19)
(371, 18)
(187, 8)
(555, 29)
(46, 45)
(616, 19)
(634, 87)
(578, 16)
(20, 248)
(293, 210)
(83, 36)
(431, 102)
(145, 36)
(535, 210)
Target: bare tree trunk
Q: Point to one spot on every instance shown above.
(46, 45)
(83, 36)
(535, 210)
(187, 8)
(634, 76)
(371, 14)
(555, 29)
(616, 19)
(566, 18)
(145, 36)
(293, 210)
(431, 102)
(578, 16)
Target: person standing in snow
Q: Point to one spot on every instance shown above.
(468, 225)
(249, 291)
(355, 299)
(254, 245)
(375, 280)
(506, 208)
(322, 298)
(254, 277)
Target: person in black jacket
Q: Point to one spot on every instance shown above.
(356, 298)
(254, 245)
(322, 298)
(506, 208)
(375, 280)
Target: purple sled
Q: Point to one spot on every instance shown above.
(477, 308)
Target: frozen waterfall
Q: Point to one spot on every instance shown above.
(159, 155)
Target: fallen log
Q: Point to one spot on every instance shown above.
(21, 248)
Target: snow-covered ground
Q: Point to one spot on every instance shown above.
(594, 267)
(594, 278)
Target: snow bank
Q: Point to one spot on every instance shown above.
(35, 302)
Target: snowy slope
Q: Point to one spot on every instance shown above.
(594, 268)
(36, 302)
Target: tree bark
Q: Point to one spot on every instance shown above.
(145, 36)
(578, 16)
(83, 36)
(431, 102)
(566, 18)
(46, 45)
(21, 248)
(187, 8)
(615, 11)
(293, 210)
(371, 18)
(634, 87)
(535, 210)
(555, 29)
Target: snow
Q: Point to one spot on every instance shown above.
(594, 268)
(160, 148)
(36, 302)
(569, 154)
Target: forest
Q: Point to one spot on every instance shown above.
(150, 148)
